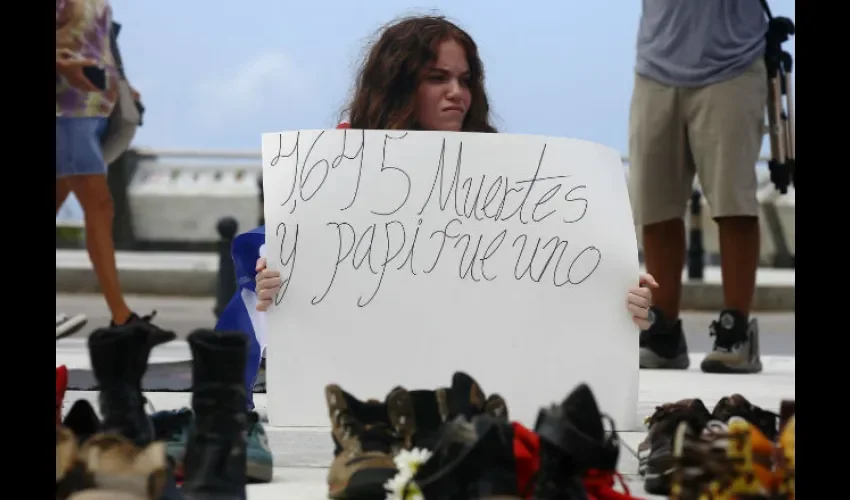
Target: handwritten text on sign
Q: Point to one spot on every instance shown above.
(480, 208)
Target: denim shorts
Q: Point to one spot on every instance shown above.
(78, 149)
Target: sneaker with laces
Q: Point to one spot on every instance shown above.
(663, 345)
(172, 428)
(736, 345)
(157, 335)
(655, 453)
(259, 463)
(69, 325)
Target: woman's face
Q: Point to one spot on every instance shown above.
(443, 96)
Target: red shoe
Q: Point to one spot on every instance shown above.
(600, 486)
(61, 387)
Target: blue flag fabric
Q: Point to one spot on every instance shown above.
(241, 314)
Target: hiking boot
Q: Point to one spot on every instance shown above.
(215, 460)
(119, 359)
(68, 476)
(116, 468)
(737, 405)
(364, 445)
(69, 325)
(736, 345)
(260, 463)
(577, 457)
(663, 345)
(61, 388)
(472, 459)
(157, 335)
(172, 428)
(655, 453)
(418, 415)
(82, 420)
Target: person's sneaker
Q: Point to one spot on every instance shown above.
(655, 453)
(737, 405)
(736, 345)
(260, 463)
(157, 334)
(364, 445)
(61, 387)
(663, 345)
(69, 325)
(172, 428)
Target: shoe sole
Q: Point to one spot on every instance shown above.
(652, 361)
(658, 483)
(365, 483)
(257, 472)
(713, 366)
(71, 326)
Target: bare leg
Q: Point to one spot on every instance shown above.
(96, 201)
(62, 192)
(664, 253)
(739, 258)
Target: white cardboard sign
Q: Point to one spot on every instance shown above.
(408, 255)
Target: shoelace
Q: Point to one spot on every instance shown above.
(723, 338)
(600, 485)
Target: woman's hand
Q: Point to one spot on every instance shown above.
(268, 284)
(72, 70)
(640, 299)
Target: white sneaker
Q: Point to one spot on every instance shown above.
(69, 325)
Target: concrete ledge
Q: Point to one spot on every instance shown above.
(195, 274)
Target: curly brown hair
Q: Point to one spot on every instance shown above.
(385, 88)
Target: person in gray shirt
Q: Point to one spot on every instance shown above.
(698, 107)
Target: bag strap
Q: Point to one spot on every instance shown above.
(766, 9)
(116, 53)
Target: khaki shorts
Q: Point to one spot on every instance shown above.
(714, 131)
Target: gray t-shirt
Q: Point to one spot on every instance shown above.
(691, 43)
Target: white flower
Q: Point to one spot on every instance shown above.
(401, 487)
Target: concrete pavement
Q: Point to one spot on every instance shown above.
(184, 314)
(195, 274)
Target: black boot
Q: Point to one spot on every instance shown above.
(119, 359)
(214, 465)
(473, 459)
(572, 441)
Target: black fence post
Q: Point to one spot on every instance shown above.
(696, 250)
(226, 286)
(262, 201)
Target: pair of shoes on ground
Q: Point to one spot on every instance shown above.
(118, 456)
(467, 447)
(736, 345)
(656, 454)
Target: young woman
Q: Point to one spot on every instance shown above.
(424, 73)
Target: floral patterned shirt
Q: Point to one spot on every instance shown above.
(83, 32)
